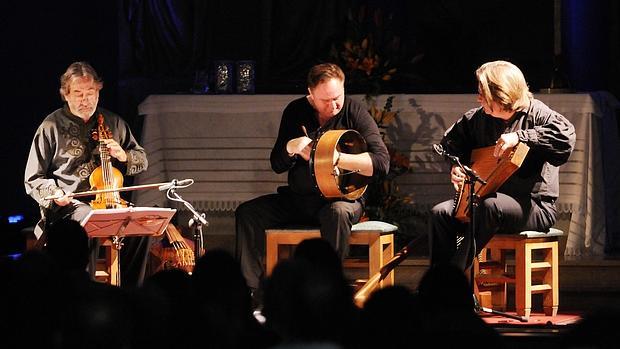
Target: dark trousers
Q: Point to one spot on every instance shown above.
(133, 254)
(277, 210)
(497, 213)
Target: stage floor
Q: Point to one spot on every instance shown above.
(540, 331)
(535, 320)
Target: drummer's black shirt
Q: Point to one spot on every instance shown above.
(298, 113)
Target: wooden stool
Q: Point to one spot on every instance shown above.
(379, 236)
(107, 269)
(529, 275)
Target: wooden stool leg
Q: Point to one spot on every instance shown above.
(523, 283)
(374, 254)
(271, 258)
(483, 298)
(551, 299)
(387, 241)
(113, 266)
(499, 294)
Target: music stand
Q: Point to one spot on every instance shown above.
(117, 223)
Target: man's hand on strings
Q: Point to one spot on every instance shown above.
(299, 146)
(457, 177)
(505, 142)
(116, 151)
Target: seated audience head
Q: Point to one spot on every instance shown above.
(67, 244)
(225, 307)
(319, 253)
(388, 317)
(446, 285)
(217, 277)
(597, 329)
(446, 309)
(304, 303)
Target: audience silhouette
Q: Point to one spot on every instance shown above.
(224, 304)
(54, 303)
(30, 294)
(166, 311)
(50, 301)
(307, 300)
(67, 244)
(597, 330)
(446, 313)
(389, 319)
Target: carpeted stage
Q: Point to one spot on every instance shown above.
(535, 320)
(540, 331)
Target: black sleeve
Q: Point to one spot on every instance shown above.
(457, 139)
(136, 155)
(289, 129)
(366, 126)
(36, 180)
(553, 136)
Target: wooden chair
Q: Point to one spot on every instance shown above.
(378, 236)
(535, 270)
(107, 269)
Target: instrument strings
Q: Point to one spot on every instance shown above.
(106, 170)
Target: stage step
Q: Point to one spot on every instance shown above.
(585, 274)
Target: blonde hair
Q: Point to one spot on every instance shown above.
(323, 72)
(76, 70)
(504, 83)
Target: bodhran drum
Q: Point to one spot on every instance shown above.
(334, 182)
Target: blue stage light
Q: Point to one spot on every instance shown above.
(16, 218)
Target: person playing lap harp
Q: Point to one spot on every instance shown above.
(508, 116)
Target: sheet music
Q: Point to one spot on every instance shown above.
(130, 221)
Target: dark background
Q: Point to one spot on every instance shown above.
(146, 47)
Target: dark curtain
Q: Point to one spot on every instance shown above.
(172, 38)
(302, 35)
(168, 37)
(440, 42)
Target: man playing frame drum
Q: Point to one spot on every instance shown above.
(304, 122)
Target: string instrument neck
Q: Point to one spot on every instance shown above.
(104, 153)
(105, 176)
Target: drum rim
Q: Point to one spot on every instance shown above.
(332, 190)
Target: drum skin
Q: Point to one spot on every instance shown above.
(333, 182)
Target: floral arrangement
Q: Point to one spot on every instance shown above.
(385, 202)
(383, 196)
(370, 50)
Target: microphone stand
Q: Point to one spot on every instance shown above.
(197, 222)
(470, 180)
